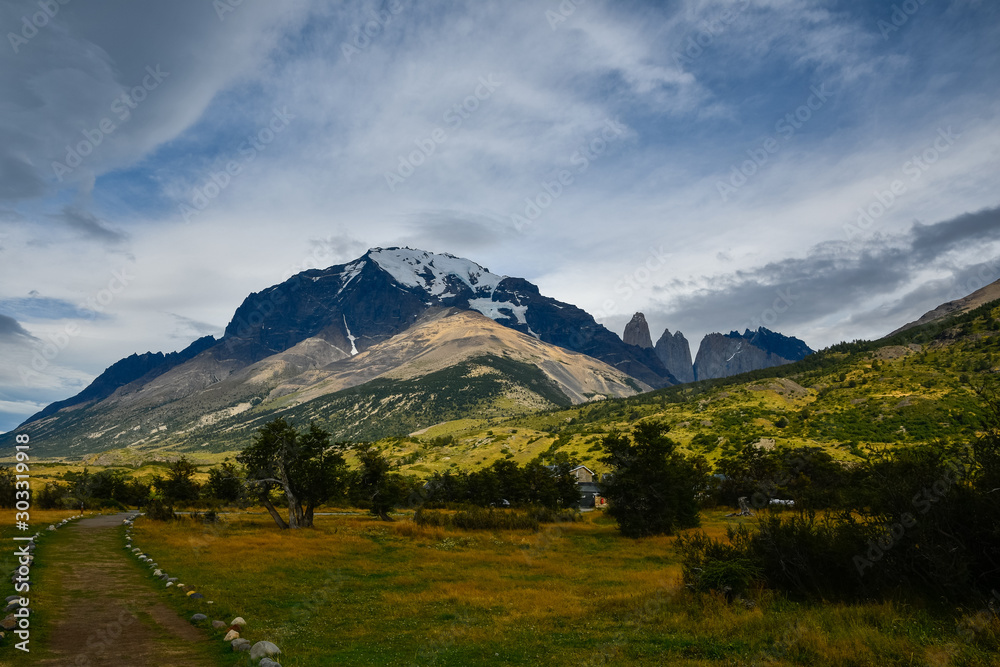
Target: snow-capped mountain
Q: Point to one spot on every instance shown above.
(325, 331)
(382, 293)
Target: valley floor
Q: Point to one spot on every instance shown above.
(358, 591)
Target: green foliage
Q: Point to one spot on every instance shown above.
(7, 486)
(504, 482)
(375, 486)
(106, 488)
(807, 475)
(157, 510)
(180, 487)
(303, 466)
(225, 484)
(478, 518)
(653, 488)
(924, 522)
(712, 565)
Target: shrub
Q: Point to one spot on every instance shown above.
(157, 510)
(478, 518)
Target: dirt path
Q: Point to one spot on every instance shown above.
(101, 610)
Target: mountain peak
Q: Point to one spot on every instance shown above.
(637, 332)
(433, 272)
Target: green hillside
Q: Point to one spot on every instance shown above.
(915, 387)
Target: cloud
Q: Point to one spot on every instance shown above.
(837, 286)
(188, 329)
(45, 308)
(88, 226)
(932, 241)
(11, 328)
(317, 194)
(18, 179)
(457, 231)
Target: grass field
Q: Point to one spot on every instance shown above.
(357, 591)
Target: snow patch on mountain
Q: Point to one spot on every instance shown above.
(351, 337)
(430, 271)
(494, 309)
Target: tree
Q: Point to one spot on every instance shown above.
(180, 486)
(7, 482)
(376, 486)
(224, 483)
(304, 466)
(653, 488)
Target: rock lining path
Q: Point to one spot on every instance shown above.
(99, 604)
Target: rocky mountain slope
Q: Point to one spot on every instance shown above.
(675, 353)
(637, 332)
(344, 310)
(296, 341)
(722, 355)
(718, 355)
(981, 296)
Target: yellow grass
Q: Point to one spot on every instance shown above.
(358, 591)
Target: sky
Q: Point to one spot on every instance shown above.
(825, 169)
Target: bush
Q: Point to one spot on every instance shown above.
(653, 489)
(477, 518)
(157, 510)
(709, 565)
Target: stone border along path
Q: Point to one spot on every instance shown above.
(260, 653)
(14, 620)
(100, 610)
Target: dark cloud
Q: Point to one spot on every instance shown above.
(931, 241)
(10, 328)
(837, 277)
(89, 226)
(18, 179)
(44, 308)
(188, 328)
(457, 231)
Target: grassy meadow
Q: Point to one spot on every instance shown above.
(358, 591)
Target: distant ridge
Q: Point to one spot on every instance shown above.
(978, 298)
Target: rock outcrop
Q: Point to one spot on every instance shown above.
(722, 355)
(637, 332)
(675, 353)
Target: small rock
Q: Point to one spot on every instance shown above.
(231, 635)
(173, 580)
(157, 573)
(169, 584)
(9, 623)
(12, 605)
(267, 662)
(241, 645)
(198, 618)
(238, 621)
(263, 649)
(51, 528)
(196, 596)
(180, 585)
(12, 597)
(219, 625)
